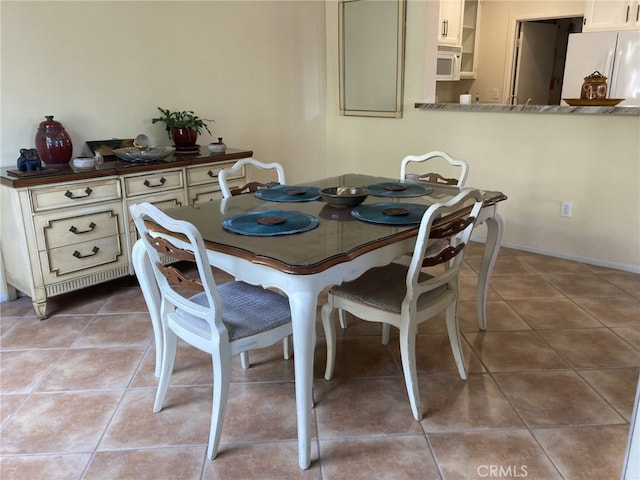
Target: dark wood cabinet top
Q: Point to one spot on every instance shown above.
(10, 176)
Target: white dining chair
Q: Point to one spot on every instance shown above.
(252, 186)
(222, 320)
(430, 177)
(433, 177)
(404, 296)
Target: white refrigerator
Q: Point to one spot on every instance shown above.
(615, 54)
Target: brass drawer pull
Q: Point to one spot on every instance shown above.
(147, 183)
(77, 254)
(92, 227)
(69, 194)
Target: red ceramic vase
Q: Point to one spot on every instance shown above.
(183, 137)
(53, 142)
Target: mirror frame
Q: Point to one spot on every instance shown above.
(400, 26)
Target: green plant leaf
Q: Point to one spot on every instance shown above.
(184, 118)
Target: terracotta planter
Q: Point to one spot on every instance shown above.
(183, 137)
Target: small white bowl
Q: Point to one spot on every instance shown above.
(84, 162)
(217, 147)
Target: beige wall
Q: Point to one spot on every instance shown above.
(102, 68)
(537, 160)
(267, 73)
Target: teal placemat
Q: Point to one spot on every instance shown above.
(398, 189)
(289, 193)
(270, 223)
(390, 213)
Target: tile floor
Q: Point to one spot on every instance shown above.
(549, 395)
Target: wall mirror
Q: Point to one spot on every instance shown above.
(371, 42)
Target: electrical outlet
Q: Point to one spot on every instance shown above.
(565, 209)
(496, 94)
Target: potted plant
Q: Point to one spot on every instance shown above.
(183, 127)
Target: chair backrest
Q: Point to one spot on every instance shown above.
(165, 237)
(433, 177)
(225, 173)
(443, 244)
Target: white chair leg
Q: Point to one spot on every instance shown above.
(151, 295)
(330, 335)
(454, 338)
(343, 319)
(385, 333)
(221, 380)
(286, 347)
(244, 360)
(408, 355)
(169, 347)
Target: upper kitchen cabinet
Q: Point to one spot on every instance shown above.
(451, 22)
(470, 21)
(458, 22)
(611, 15)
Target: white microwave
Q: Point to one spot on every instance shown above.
(448, 63)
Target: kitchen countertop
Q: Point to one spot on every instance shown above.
(549, 109)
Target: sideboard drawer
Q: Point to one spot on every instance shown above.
(153, 182)
(54, 230)
(205, 193)
(209, 173)
(64, 263)
(80, 193)
(163, 201)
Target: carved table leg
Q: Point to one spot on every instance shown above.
(495, 230)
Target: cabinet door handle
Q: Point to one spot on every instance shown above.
(638, 12)
(73, 229)
(94, 251)
(69, 194)
(445, 28)
(211, 174)
(147, 183)
(627, 18)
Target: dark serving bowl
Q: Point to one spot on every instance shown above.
(344, 196)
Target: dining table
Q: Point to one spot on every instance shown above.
(307, 245)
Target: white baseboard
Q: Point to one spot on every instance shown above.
(576, 258)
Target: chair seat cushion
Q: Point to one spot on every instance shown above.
(247, 310)
(384, 288)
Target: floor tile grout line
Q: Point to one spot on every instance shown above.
(438, 464)
(593, 387)
(525, 424)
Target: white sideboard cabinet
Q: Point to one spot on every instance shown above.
(65, 229)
